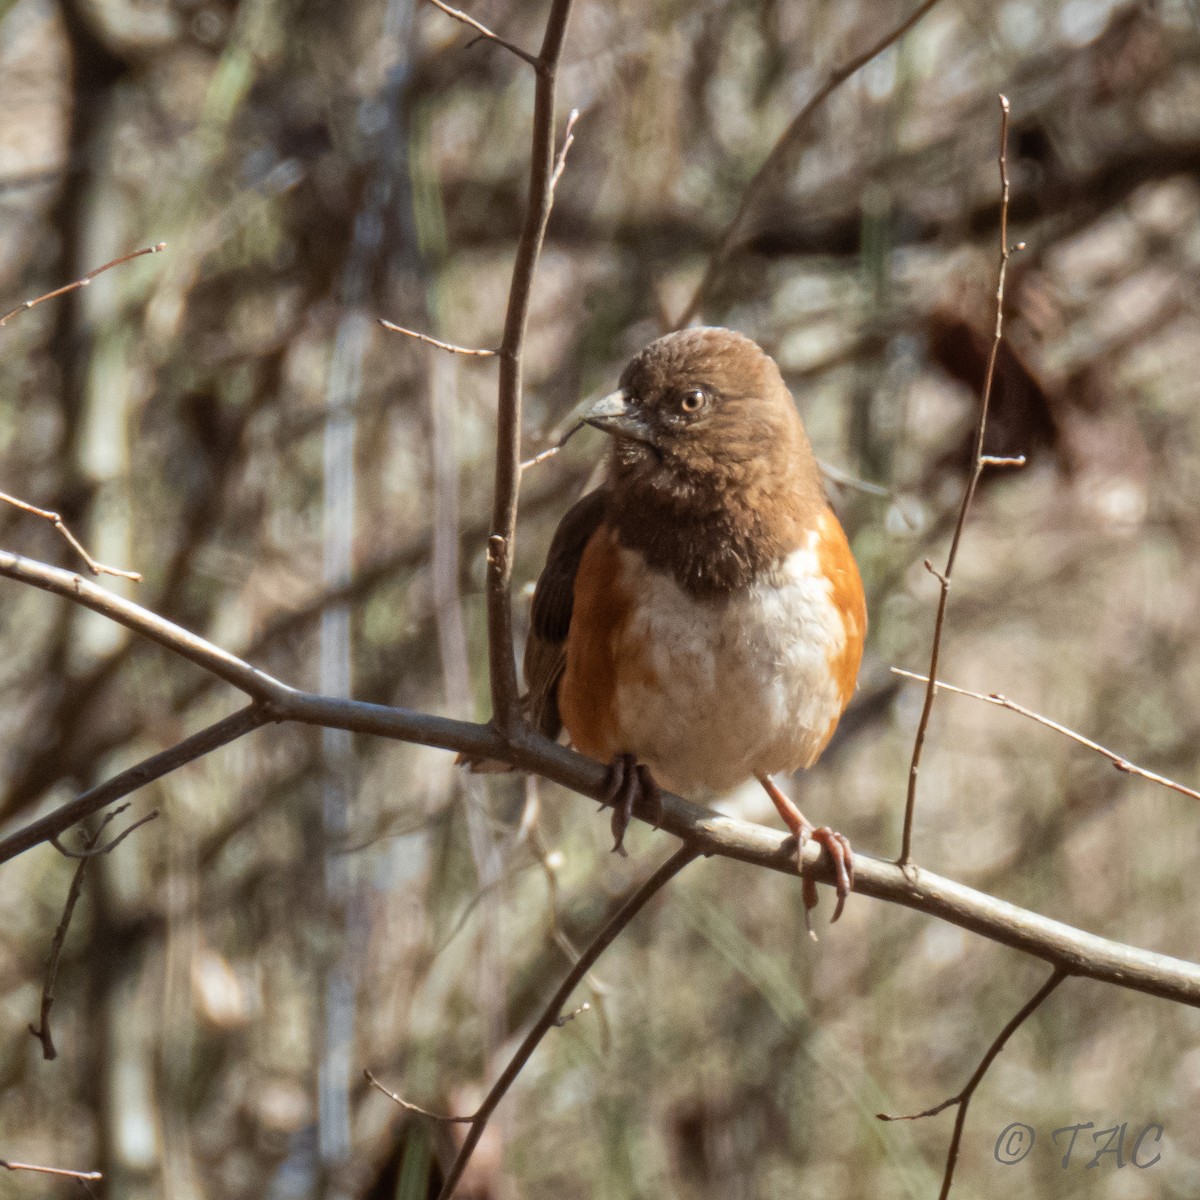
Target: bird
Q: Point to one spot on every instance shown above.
(699, 621)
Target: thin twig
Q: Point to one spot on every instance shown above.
(416, 1108)
(96, 568)
(485, 32)
(551, 451)
(502, 668)
(90, 850)
(1074, 950)
(49, 827)
(82, 1176)
(550, 1014)
(152, 815)
(559, 1022)
(963, 1098)
(780, 152)
(977, 466)
(568, 141)
(83, 282)
(1118, 760)
(432, 341)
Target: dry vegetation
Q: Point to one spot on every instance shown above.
(309, 905)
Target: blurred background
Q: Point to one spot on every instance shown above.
(311, 492)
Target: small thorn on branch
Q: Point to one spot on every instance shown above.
(449, 347)
(560, 1021)
(992, 460)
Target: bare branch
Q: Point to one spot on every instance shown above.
(415, 1108)
(1073, 950)
(963, 1098)
(49, 827)
(1118, 760)
(568, 141)
(939, 624)
(95, 567)
(551, 451)
(90, 850)
(550, 1016)
(780, 152)
(81, 283)
(133, 616)
(82, 1176)
(432, 341)
(502, 666)
(108, 847)
(485, 32)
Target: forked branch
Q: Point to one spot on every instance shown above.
(963, 1098)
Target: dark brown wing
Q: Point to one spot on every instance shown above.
(553, 600)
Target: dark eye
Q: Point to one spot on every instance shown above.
(693, 401)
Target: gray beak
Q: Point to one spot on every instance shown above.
(616, 415)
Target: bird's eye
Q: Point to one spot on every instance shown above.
(693, 401)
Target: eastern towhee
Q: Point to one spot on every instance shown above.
(700, 618)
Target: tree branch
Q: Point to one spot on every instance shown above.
(91, 849)
(1118, 760)
(780, 152)
(484, 31)
(501, 663)
(81, 283)
(1073, 950)
(549, 1017)
(49, 827)
(96, 568)
(81, 1176)
(963, 1098)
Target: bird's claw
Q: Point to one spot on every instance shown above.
(837, 846)
(629, 782)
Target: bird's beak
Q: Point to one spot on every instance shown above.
(616, 415)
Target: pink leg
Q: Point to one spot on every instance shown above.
(836, 845)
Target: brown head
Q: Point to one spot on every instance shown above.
(711, 474)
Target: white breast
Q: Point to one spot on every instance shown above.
(737, 685)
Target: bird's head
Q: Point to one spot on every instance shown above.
(703, 409)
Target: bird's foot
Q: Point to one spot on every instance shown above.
(836, 845)
(627, 783)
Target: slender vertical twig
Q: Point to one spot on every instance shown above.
(963, 1098)
(980, 461)
(91, 848)
(543, 161)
